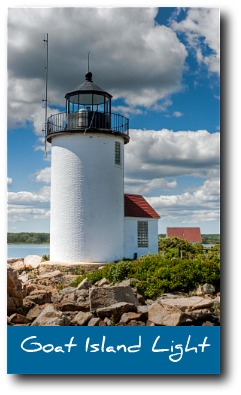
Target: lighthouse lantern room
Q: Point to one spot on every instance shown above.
(87, 177)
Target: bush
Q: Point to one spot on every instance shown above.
(157, 274)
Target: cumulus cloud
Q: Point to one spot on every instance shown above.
(131, 56)
(9, 181)
(26, 197)
(23, 213)
(201, 27)
(200, 205)
(43, 175)
(164, 153)
(147, 186)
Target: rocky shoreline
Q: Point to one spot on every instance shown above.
(39, 294)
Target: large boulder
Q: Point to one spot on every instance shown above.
(32, 261)
(14, 292)
(40, 296)
(187, 304)
(115, 311)
(81, 318)
(164, 315)
(104, 297)
(51, 317)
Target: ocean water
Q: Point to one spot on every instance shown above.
(22, 250)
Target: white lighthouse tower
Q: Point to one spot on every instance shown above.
(87, 177)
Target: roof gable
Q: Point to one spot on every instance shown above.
(193, 235)
(137, 206)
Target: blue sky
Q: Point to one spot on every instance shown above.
(162, 68)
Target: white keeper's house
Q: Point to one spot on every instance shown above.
(91, 218)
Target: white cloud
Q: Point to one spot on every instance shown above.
(43, 175)
(202, 24)
(190, 207)
(23, 213)
(25, 197)
(141, 186)
(177, 114)
(9, 181)
(164, 153)
(131, 56)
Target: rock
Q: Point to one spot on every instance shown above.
(18, 319)
(126, 317)
(199, 315)
(28, 305)
(85, 284)
(102, 323)
(14, 292)
(108, 321)
(115, 311)
(35, 311)
(32, 261)
(18, 265)
(186, 304)
(74, 300)
(150, 323)
(103, 297)
(94, 321)
(136, 323)
(81, 318)
(165, 315)
(51, 275)
(40, 297)
(102, 282)
(23, 277)
(51, 317)
(208, 289)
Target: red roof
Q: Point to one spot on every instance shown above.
(193, 235)
(137, 206)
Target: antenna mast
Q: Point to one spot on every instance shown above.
(46, 41)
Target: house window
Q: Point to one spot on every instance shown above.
(142, 233)
(117, 153)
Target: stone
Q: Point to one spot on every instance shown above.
(23, 277)
(185, 304)
(126, 317)
(51, 317)
(108, 321)
(102, 282)
(32, 261)
(104, 297)
(94, 321)
(85, 284)
(150, 323)
(102, 323)
(165, 315)
(208, 289)
(51, 275)
(18, 319)
(40, 297)
(136, 323)
(81, 318)
(115, 310)
(18, 265)
(14, 291)
(35, 311)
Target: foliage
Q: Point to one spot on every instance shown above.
(46, 257)
(155, 274)
(211, 238)
(28, 238)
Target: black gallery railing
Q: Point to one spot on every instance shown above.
(84, 120)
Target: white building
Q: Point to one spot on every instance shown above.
(140, 227)
(87, 183)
